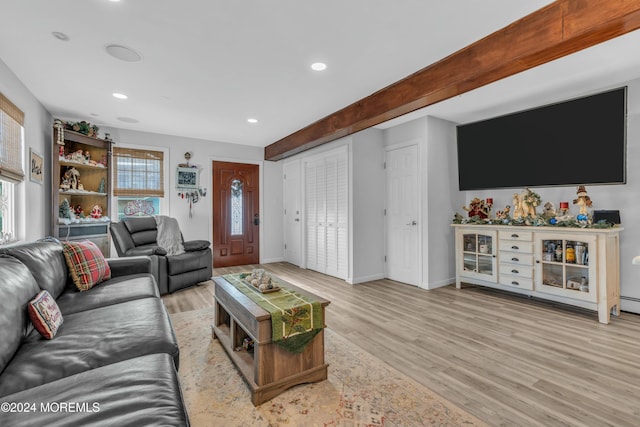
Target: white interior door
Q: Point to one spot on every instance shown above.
(292, 218)
(402, 251)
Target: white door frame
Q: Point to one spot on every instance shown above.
(295, 164)
(405, 144)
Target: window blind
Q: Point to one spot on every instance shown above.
(11, 141)
(138, 173)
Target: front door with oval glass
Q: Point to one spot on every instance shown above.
(236, 215)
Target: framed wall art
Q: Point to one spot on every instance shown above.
(36, 166)
(187, 177)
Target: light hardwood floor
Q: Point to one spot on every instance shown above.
(507, 359)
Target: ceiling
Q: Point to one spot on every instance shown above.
(209, 65)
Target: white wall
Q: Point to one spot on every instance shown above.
(203, 154)
(368, 200)
(33, 199)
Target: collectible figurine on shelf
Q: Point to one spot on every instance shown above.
(549, 210)
(78, 211)
(72, 175)
(582, 200)
(518, 210)
(64, 210)
(530, 201)
(477, 207)
(96, 211)
(504, 213)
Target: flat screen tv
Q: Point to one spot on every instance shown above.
(581, 141)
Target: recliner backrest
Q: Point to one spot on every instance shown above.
(143, 231)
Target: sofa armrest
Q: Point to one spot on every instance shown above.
(129, 265)
(146, 250)
(196, 245)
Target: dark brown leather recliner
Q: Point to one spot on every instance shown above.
(138, 236)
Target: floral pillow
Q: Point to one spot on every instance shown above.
(45, 314)
(86, 263)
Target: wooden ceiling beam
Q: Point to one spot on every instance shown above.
(559, 29)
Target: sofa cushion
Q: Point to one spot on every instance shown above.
(45, 314)
(113, 291)
(188, 261)
(17, 288)
(86, 264)
(143, 391)
(46, 262)
(90, 339)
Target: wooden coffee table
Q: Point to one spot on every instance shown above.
(269, 369)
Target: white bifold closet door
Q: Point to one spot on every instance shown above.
(327, 214)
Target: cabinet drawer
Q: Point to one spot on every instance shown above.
(517, 246)
(524, 236)
(516, 282)
(516, 258)
(516, 270)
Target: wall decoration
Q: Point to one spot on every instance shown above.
(36, 164)
(186, 177)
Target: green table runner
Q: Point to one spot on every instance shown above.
(295, 319)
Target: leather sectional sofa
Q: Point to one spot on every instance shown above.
(114, 359)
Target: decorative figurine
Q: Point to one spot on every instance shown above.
(64, 210)
(582, 200)
(477, 207)
(77, 156)
(530, 200)
(101, 187)
(96, 211)
(57, 123)
(78, 211)
(73, 176)
(504, 213)
(518, 210)
(549, 210)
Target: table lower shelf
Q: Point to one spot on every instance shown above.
(246, 364)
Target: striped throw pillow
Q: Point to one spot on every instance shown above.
(86, 264)
(45, 314)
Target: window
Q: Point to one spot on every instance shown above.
(138, 181)
(11, 155)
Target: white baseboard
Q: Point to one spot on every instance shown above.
(438, 284)
(270, 260)
(363, 279)
(631, 305)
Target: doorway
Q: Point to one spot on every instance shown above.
(402, 235)
(236, 214)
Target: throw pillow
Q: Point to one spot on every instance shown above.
(45, 314)
(86, 264)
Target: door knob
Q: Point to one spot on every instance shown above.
(297, 219)
(413, 223)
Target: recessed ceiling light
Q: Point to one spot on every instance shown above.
(319, 66)
(123, 53)
(60, 36)
(120, 95)
(128, 120)
(252, 120)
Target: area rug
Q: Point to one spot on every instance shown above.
(361, 390)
